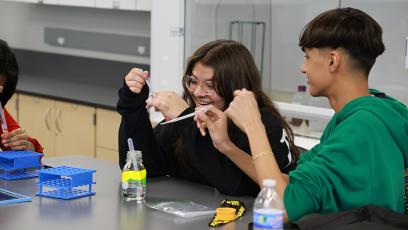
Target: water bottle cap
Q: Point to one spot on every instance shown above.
(138, 154)
(301, 88)
(269, 182)
(135, 154)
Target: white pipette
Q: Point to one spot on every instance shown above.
(3, 119)
(151, 91)
(184, 117)
(130, 144)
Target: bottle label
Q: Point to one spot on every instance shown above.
(268, 219)
(134, 176)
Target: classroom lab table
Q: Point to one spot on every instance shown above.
(106, 209)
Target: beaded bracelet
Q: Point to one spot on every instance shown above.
(261, 154)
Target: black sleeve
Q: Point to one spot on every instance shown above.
(135, 124)
(157, 145)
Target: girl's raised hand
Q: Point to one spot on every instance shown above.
(244, 118)
(135, 79)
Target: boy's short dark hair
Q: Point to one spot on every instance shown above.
(351, 29)
(8, 72)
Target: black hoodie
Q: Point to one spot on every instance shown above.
(197, 159)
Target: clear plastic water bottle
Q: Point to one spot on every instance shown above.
(300, 97)
(268, 208)
(134, 177)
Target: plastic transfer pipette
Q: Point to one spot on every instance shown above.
(184, 117)
(151, 91)
(130, 144)
(3, 119)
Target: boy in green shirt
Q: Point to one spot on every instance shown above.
(364, 149)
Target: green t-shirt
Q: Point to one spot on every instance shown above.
(360, 160)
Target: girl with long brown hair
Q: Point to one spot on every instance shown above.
(179, 149)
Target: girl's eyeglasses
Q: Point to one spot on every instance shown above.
(192, 82)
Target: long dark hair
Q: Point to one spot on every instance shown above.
(234, 68)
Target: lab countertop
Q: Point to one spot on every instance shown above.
(106, 209)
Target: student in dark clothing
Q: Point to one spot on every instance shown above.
(178, 149)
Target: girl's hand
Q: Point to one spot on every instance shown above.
(135, 79)
(244, 118)
(216, 122)
(169, 103)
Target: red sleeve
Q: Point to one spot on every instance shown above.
(12, 125)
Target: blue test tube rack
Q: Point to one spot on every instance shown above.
(16, 165)
(65, 182)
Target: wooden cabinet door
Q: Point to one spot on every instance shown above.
(36, 117)
(75, 129)
(107, 127)
(107, 154)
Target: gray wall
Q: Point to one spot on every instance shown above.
(389, 74)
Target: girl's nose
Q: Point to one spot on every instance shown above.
(199, 91)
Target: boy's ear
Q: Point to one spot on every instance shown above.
(334, 60)
(1, 88)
